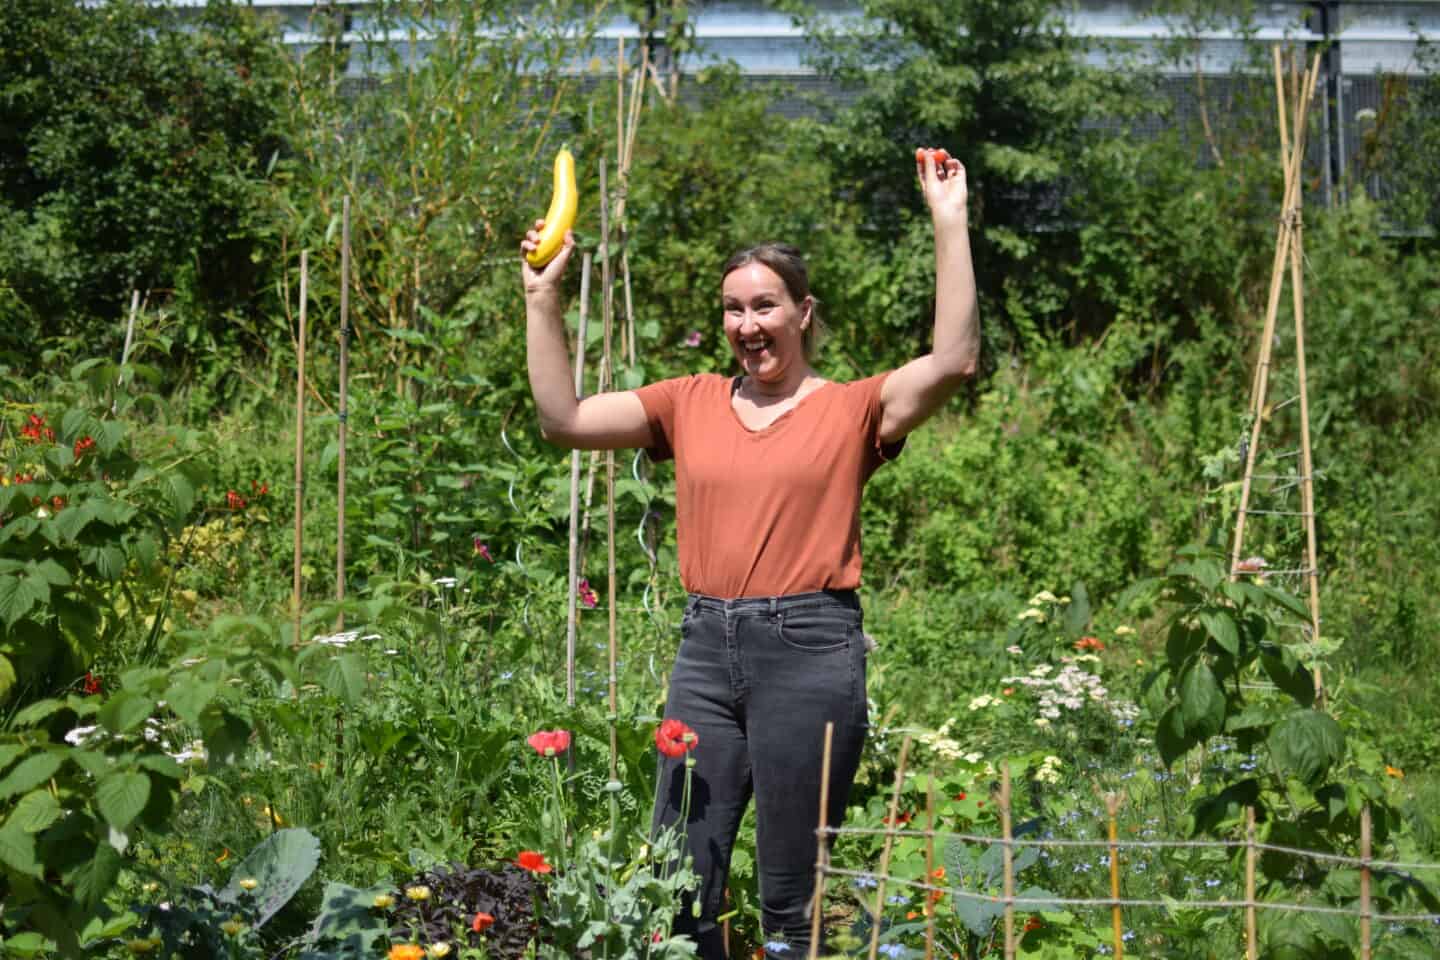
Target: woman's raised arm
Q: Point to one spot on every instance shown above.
(601, 422)
(919, 388)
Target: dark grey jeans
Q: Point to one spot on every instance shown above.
(758, 679)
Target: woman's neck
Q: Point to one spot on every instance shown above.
(763, 392)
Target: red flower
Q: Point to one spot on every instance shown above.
(91, 684)
(35, 430)
(656, 937)
(259, 489)
(901, 818)
(673, 738)
(83, 446)
(1034, 923)
(586, 595)
(483, 550)
(482, 922)
(960, 795)
(548, 743)
(57, 503)
(1089, 643)
(534, 861)
(234, 501)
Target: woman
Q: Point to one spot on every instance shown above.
(770, 466)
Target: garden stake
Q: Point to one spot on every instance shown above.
(125, 350)
(890, 824)
(607, 317)
(1365, 882)
(570, 621)
(1117, 928)
(817, 902)
(930, 868)
(1252, 948)
(300, 444)
(344, 414)
(1007, 856)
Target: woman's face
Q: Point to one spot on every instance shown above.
(764, 325)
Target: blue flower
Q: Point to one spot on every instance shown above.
(776, 946)
(892, 949)
(897, 898)
(864, 881)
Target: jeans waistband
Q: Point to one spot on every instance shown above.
(848, 599)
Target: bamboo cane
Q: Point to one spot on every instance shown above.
(1117, 926)
(300, 446)
(125, 350)
(934, 901)
(344, 413)
(607, 319)
(571, 621)
(1252, 945)
(817, 901)
(885, 851)
(1365, 882)
(1007, 857)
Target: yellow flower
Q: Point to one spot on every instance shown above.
(232, 927)
(441, 949)
(418, 893)
(407, 951)
(383, 901)
(1124, 631)
(249, 883)
(1395, 772)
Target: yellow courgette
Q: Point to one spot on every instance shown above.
(564, 201)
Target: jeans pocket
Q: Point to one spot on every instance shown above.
(817, 630)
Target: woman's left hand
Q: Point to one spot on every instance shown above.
(942, 180)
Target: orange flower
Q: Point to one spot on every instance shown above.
(482, 922)
(407, 951)
(938, 873)
(911, 915)
(1089, 643)
(1395, 772)
(533, 861)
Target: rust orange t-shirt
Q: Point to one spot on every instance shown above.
(762, 513)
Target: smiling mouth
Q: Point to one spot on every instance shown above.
(755, 345)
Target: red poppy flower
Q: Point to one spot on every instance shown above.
(83, 446)
(482, 922)
(673, 738)
(483, 549)
(587, 596)
(548, 743)
(234, 501)
(534, 861)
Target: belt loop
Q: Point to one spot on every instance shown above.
(774, 607)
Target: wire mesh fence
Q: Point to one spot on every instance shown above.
(998, 888)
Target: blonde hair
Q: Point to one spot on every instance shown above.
(789, 265)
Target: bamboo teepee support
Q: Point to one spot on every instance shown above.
(1252, 944)
(1007, 860)
(1289, 257)
(930, 877)
(1117, 925)
(343, 425)
(822, 848)
(572, 613)
(890, 824)
(299, 447)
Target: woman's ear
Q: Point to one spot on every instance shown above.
(808, 306)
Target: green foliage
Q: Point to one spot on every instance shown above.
(133, 157)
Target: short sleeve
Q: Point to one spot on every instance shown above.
(874, 413)
(659, 401)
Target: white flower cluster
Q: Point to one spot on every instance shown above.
(1049, 771)
(1069, 689)
(983, 701)
(152, 731)
(946, 747)
(344, 639)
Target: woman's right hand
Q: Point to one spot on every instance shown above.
(548, 276)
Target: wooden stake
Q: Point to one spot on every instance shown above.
(1252, 944)
(300, 444)
(344, 412)
(572, 614)
(1117, 927)
(932, 901)
(1365, 913)
(607, 369)
(890, 825)
(822, 846)
(125, 350)
(1007, 856)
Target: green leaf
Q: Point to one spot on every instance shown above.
(345, 677)
(1202, 702)
(125, 711)
(1289, 601)
(52, 573)
(189, 696)
(1221, 628)
(17, 851)
(180, 494)
(1290, 675)
(7, 677)
(1170, 736)
(1077, 614)
(121, 796)
(281, 864)
(30, 773)
(35, 811)
(1307, 744)
(162, 764)
(18, 595)
(1181, 643)
(96, 878)
(1203, 569)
